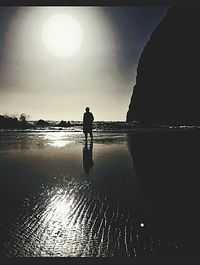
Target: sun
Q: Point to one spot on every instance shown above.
(62, 35)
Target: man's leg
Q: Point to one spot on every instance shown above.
(86, 136)
(91, 136)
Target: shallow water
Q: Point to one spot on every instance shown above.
(124, 195)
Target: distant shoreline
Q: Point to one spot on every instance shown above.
(8, 123)
(106, 129)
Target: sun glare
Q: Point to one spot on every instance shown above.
(62, 35)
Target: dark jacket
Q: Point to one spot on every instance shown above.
(87, 122)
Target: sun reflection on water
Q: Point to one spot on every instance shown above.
(58, 139)
(57, 230)
(60, 143)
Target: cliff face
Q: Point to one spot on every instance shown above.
(168, 74)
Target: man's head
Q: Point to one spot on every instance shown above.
(87, 109)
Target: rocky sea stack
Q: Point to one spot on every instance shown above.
(168, 74)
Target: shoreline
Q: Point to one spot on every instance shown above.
(108, 130)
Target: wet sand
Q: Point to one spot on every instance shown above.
(117, 197)
(61, 196)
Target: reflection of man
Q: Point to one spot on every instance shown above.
(87, 123)
(87, 158)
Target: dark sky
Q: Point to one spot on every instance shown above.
(101, 74)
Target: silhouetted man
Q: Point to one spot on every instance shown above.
(87, 123)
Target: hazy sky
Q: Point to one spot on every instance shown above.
(100, 74)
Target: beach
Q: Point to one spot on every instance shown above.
(52, 204)
(110, 198)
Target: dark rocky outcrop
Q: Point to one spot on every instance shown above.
(64, 124)
(7, 122)
(168, 74)
(42, 123)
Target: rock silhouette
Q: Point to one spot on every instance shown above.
(7, 122)
(42, 123)
(64, 124)
(167, 84)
